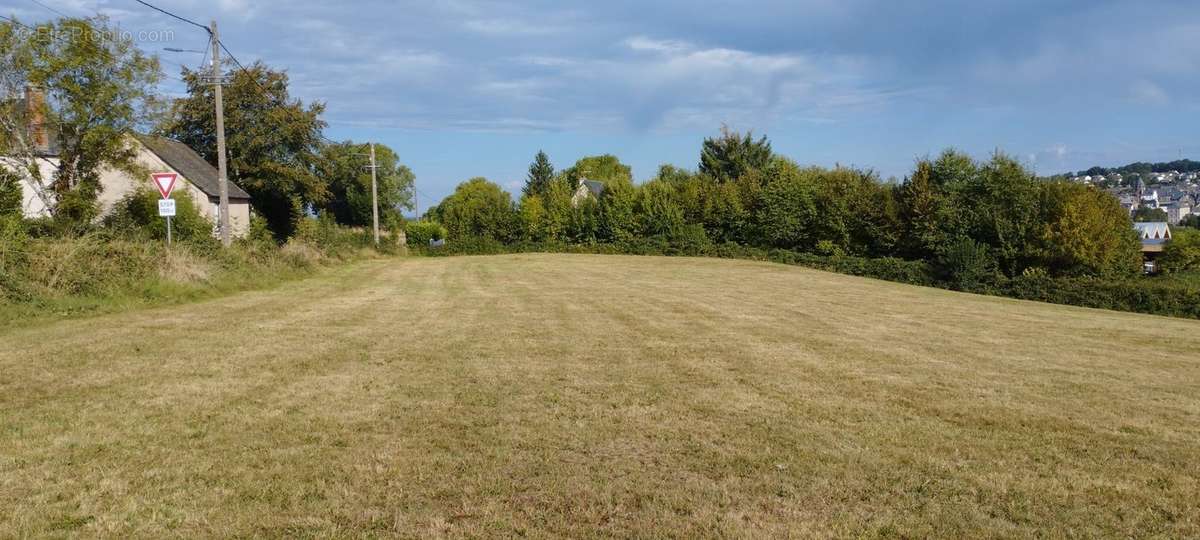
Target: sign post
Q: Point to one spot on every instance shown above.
(166, 208)
(165, 182)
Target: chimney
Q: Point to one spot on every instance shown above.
(35, 108)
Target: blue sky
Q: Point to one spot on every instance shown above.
(463, 88)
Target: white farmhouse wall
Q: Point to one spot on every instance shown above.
(31, 204)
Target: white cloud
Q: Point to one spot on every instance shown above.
(509, 27)
(1148, 93)
(243, 9)
(642, 43)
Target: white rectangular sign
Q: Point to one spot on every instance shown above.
(166, 207)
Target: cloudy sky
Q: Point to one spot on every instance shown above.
(464, 88)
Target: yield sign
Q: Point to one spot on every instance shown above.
(165, 182)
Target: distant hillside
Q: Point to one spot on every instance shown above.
(1181, 165)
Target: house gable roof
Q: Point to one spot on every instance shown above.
(597, 188)
(188, 163)
(1152, 231)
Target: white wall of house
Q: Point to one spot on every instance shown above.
(31, 204)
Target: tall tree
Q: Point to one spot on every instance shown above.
(921, 203)
(273, 140)
(344, 167)
(605, 168)
(541, 173)
(479, 208)
(88, 89)
(1085, 231)
(533, 217)
(728, 157)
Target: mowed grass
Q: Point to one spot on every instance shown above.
(560, 395)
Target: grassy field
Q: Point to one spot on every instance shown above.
(557, 395)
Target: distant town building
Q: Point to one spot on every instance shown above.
(1154, 235)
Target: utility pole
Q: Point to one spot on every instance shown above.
(222, 173)
(374, 196)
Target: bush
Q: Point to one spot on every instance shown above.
(260, 231)
(136, 215)
(11, 193)
(89, 265)
(14, 243)
(968, 265)
(327, 236)
(421, 232)
(1182, 253)
(1175, 298)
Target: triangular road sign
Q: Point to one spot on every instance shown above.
(165, 182)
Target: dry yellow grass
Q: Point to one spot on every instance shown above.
(556, 395)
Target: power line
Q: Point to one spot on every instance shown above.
(16, 22)
(228, 52)
(204, 56)
(260, 87)
(169, 14)
(61, 14)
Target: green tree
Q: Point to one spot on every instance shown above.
(583, 223)
(618, 217)
(922, 205)
(1085, 231)
(533, 218)
(863, 208)
(479, 208)
(558, 211)
(967, 264)
(605, 168)
(273, 140)
(732, 155)
(722, 210)
(788, 215)
(541, 173)
(995, 204)
(1182, 253)
(660, 213)
(98, 88)
(1146, 214)
(345, 168)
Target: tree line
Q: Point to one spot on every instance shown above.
(974, 220)
(1142, 168)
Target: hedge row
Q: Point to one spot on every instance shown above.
(1156, 296)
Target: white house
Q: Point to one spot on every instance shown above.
(154, 154)
(587, 189)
